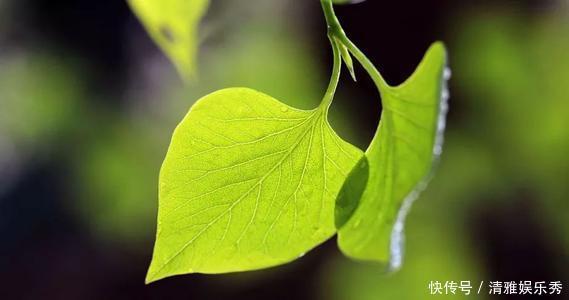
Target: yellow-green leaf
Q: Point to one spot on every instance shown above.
(173, 24)
(248, 183)
(400, 159)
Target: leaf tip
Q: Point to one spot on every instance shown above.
(151, 274)
(149, 278)
(438, 48)
(156, 271)
(438, 45)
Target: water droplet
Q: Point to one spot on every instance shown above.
(445, 94)
(284, 109)
(301, 255)
(438, 150)
(447, 74)
(441, 124)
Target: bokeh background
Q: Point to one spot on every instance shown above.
(88, 104)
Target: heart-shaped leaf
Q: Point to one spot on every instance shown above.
(248, 183)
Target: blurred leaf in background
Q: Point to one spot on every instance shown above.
(173, 24)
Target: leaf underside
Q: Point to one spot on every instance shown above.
(248, 183)
(400, 159)
(173, 25)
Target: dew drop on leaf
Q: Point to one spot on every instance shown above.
(438, 150)
(447, 74)
(445, 94)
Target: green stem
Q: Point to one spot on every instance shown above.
(335, 30)
(334, 79)
(331, 19)
(364, 61)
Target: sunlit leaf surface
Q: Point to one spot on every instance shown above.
(248, 183)
(400, 158)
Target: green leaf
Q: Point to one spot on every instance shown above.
(173, 24)
(400, 157)
(248, 183)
